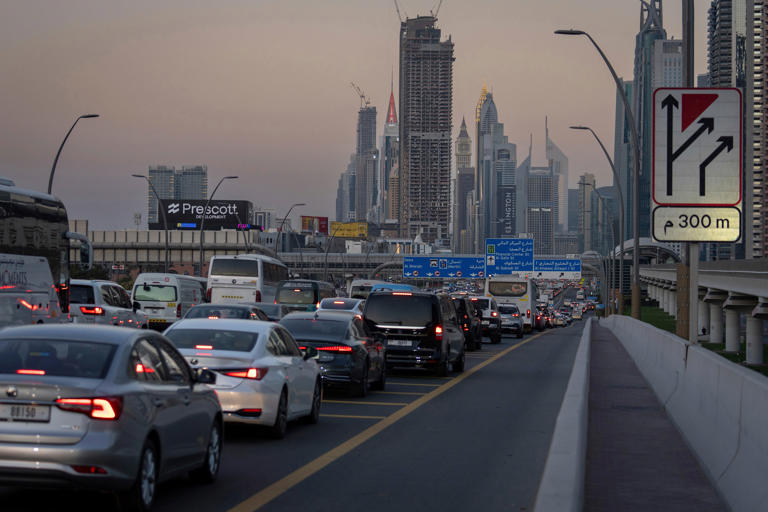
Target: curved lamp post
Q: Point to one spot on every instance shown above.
(202, 221)
(635, 174)
(55, 160)
(617, 181)
(162, 210)
(611, 264)
(328, 248)
(280, 229)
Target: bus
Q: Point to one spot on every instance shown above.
(303, 294)
(360, 288)
(34, 256)
(244, 278)
(511, 289)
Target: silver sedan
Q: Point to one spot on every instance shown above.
(103, 408)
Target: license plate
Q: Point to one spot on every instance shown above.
(39, 413)
(486, 322)
(157, 320)
(400, 343)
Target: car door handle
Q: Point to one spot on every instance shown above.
(158, 402)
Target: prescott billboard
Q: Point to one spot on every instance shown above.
(219, 214)
(314, 224)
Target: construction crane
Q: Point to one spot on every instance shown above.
(435, 11)
(363, 100)
(397, 7)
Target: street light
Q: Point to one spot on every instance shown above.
(162, 210)
(636, 173)
(328, 248)
(55, 160)
(613, 241)
(617, 181)
(280, 229)
(202, 221)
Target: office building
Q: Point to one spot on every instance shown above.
(389, 154)
(346, 192)
(558, 162)
(623, 155)
(586, 211)
(541, 221)
(366, 164)
(463, 190)
(426, 102)
(573, 210)
(190, 182)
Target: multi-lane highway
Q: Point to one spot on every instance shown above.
(471, 441)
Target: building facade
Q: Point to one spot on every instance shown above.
(540, 216)
(463, 190)
(558, 162)
(389, 154)
(189, 182)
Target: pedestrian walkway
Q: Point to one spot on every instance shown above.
(636, 458)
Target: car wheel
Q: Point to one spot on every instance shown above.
(380, 384)
(458, 365)
(442, 368)
(277, 431)
(208, 472)
(141, 495)
(361, 389)
(317, 397)
(519, 334)
(496, 338)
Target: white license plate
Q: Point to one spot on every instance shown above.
(12, 412)
(486, 322)
(400, 343)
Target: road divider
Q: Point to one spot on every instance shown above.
(562, 482)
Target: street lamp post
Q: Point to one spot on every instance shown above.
(56, 160)
(280, 229)
(617, 181)
(611, 264)
(328, 248)
(202, 221)
(635, 174)
(162, 210)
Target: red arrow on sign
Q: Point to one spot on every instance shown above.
(694, 105)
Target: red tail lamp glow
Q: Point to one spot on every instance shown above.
(140, 368)
(249, 373)
(96, 310)
(204, 347)
(439, 333)
(335, 348)
(27, 305)
(97, 408)
(406, 294)
(30, 372)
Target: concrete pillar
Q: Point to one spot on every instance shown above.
(715, 323)
(754, 340)
(732, 330)
(664, 299)
(673, 303)
(703, 316)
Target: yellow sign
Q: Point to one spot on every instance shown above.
(349, 229)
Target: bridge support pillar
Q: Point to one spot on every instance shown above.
(731, 330)
(754, 340)
(703, 316)
(668, 301)
(673, 303)
(715, 323)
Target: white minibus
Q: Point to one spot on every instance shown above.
(166, 297)
(244, 278)
(521, 291)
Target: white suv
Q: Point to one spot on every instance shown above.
(104, 303)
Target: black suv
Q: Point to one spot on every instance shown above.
(491, 320)
(469, 322)
(419, 329)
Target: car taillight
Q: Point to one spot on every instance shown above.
(248, 373)
(97, 408)
(30, 372)
(439, 333)
(515, 314)
(317, 306)
(529, 314)
(96, 310)
(335, 348)
(494, 314)
(208, 295)
(178, 311)
(257, 296)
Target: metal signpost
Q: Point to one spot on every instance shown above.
(444, 267)
(557, 269)
(508, 256)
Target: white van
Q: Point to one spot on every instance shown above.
(166, 297)
(27, 292)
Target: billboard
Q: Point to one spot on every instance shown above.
(505, 209)
(219, 214)
(314, 224)
(349, 229)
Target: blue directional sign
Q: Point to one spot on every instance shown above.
(508, 255)
(557, 268)
(444, 267)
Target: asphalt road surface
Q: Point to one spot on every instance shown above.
(471, 441)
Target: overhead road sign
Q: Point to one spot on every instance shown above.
(444, 267)
(508, 256)
(697, 165)
(557, 268)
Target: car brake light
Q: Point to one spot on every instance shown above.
(204, 347)
(97, 408)
(407, 294)
(27, 305)
(335, 348)
(90, 470)
(208, 295)
(257, 296)
(30, 372)
(494, 314)
(439, 333)
(338, 302)
(528, 314)
(515, 314)
(317, 306)
(249, 373)
(96, 310)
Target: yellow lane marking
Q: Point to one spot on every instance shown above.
(398, 393)
(271, 492)
(362, 403)
(353, 416)
(412, 384)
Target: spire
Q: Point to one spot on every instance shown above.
(481, 101)
(463, 131)
(391, 114)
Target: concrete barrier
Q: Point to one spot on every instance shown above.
(720, 408)
(562, 483)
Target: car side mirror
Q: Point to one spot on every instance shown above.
(205, 376)
(136, 306)
(310, 353)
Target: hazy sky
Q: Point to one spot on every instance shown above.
(260, 88)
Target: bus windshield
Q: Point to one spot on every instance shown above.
(234, 267)
(507, 289)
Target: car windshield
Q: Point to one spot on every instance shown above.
(217, 311)
(56, 358)
(213, 339)
(235, 268)
(154, 292)
(315, 328)
(408, 310)
(81, 294)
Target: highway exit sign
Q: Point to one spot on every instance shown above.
(697, 165)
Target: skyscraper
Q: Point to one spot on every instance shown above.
(191, 182)
(622, 154)
(366, 165)
(586, 210)
(541, 222)
(757, 72)
(464, 191)
(558, 162)
(346, 192)
(426, 102)
(389, 154)
(485, 116)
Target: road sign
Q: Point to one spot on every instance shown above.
(508, 256)
(444, 267)
(697, 161)
(557, 268)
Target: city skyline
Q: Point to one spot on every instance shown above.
(203, 89)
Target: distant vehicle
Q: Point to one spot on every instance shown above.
(360, 288)
(273, 311)
(490, 321)
(303, 294)
(104, 303)
(577, 314)
(219, 311)
(520, 291)
(342, 304)
(394, 287)
(166, 298)
(580, 295)
(34, 256)
(262, 378)
(511, 320)
(105, 408)
(469, 321)
(244, 278)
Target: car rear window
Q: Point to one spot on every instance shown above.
(298, 295)
(508, 310)
(81, 294)
(337, 304)
(213, 339)
(408, 310)
(480, 303)
(315, 328)
(218, 312)
(56, 358)
(154, 292)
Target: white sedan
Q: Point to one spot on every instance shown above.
(262, 377)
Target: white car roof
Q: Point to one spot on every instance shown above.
(229, 324)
